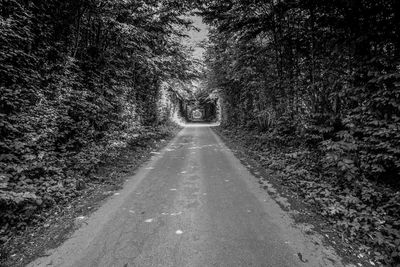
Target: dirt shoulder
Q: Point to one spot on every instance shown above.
(60, 221)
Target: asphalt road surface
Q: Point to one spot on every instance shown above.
(192, 204)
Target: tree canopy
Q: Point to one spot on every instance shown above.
(79, 77)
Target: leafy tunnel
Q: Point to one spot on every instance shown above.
(311, 86)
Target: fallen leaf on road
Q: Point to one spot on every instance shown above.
(301, 257)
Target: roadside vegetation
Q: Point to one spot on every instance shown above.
(314, 88)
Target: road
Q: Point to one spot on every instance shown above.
(192, 204)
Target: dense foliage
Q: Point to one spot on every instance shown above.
(327, 74)
(320, 79)
(79, 78)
